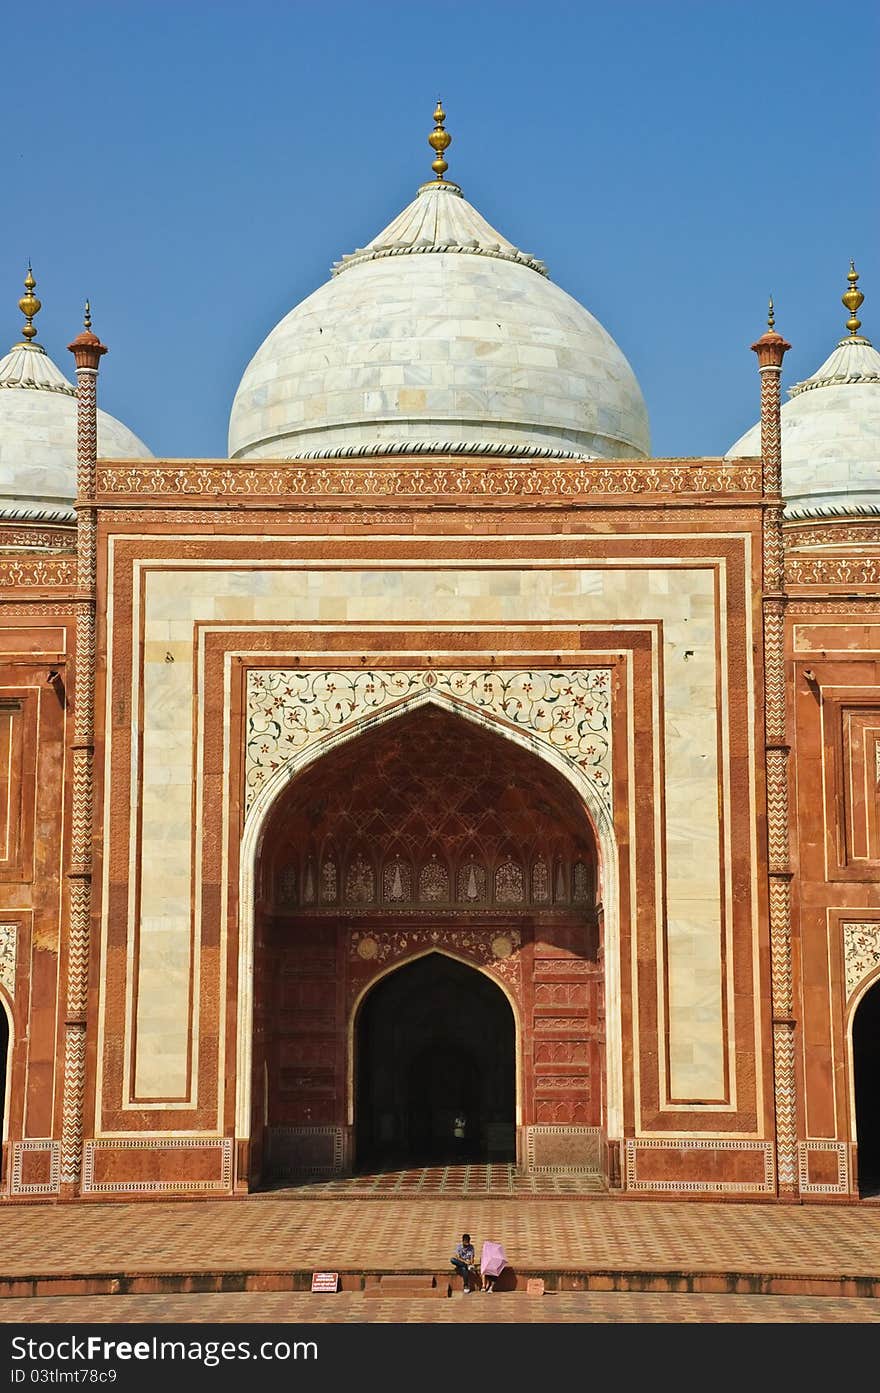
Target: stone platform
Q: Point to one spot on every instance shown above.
(591, 1243)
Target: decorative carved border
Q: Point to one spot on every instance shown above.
(497, 948)
(832, 570)
(853, 605)
(861, 952)
(8, 949)
(855, 532)
(633, 1146)
(53, 1185)
(532, 1132)
(499, 479)
(289, 710)
(34, 538)
(842, 1186)
(221, 1144)
(335, 1166)
(37, 571)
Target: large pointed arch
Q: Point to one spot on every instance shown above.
(596, 812)
(864, 1077)
(394, 967)
(395, 973)
(6, 1043)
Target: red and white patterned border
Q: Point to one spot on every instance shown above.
(54, 1182)
(633, 1146)
(842, 1185)
(223, 1144)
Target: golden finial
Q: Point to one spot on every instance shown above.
(87, 317)
(439, 141)
(852, 300)
(29, 306)
(771, 316)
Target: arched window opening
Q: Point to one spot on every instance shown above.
(866, 1067)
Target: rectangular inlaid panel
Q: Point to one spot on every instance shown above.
(561, 1148)
(683, 597)
(732, 1167)
(18, 739)
(162, 939)
(156, 1165)
(860, 733)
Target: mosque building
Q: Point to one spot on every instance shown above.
(440, 779)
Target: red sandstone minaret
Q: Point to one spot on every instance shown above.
(87, 350)
(771, 348)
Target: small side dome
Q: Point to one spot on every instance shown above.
(831, 430)
(439, 336)
(38, 430)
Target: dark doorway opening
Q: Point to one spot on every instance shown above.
(4, 1060)
(866, 1065)
(434, 1069)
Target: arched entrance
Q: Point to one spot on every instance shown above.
(866, 1069)
(5, 1061)
(426, 839)
(435, 1068)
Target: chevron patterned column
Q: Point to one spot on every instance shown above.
(771, 349)
(87, 350)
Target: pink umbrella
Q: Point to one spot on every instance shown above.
(492, 1259)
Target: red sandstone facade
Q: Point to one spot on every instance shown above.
(438, 825)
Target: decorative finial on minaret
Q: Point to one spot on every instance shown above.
(771, 316)
(29, 306)
(439, 141)
(87, 348)
(852, 299)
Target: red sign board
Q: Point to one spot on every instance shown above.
(535, 1286)
(325, 1281)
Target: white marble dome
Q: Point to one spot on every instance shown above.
(438, 336)
(38, 438)
(830, 437)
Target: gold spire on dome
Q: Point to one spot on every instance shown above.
(852, 299)
(87, 316)
(29, 306)
(771, 316)
(439, 141)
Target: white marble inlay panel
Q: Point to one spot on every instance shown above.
(861, 952)
(289, 710)
(8, 943)
(679, 597)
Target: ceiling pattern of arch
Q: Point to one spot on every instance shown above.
(430, 810)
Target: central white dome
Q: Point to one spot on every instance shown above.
(438, 336)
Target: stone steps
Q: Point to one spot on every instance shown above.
(407, 1284)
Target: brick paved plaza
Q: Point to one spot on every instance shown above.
(797, 1263)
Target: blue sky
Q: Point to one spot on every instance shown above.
(195, 169)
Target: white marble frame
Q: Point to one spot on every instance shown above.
(261, 812)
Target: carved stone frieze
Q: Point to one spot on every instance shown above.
(37, 538)
(853, 532)
(36, 571)
(832, 570)
(501, 478)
